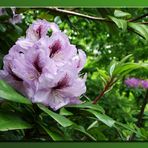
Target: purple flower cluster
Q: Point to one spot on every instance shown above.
(46, 69)
(134, 82)
(16, 18)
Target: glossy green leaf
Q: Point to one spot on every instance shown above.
(57, 117)
(122, 24)
(112, 68)
(92, 125)
(65, 112)
(8, 93)
(128, 67)
(103, 118)
(140, 29)
(119, 13)
(9, 121)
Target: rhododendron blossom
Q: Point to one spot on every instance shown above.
(45, 68)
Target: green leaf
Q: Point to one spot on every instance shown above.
(2, 28)
(9, 121)
(88, 105)
(65, 112)
(115, 65)
(18, 29)
(125, 58)
(122, 24)
(125, 68)
(8, 93)
(103, 118)
(126, 127)
(98, 134)
(112, 68)
(9, 11)
(82, 129)
(53, 135)
(94, 124)
(140, 29)
(59, 118)
(4, 17)
(103, 75)
(119, 13)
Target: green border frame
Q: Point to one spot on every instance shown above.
(75, 145)
(84, 3)
(74, 3)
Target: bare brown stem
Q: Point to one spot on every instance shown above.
(138, 18)
(140, 116)
(69, 12)
(107, 86)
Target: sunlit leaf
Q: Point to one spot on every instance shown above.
(65, 112)
(122, 24)
(119, 13)
(103, 118)
(92, 125)
(140, 28)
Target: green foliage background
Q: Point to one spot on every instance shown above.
(120, 33)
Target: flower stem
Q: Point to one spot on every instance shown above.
(107, 86)
(140, 116)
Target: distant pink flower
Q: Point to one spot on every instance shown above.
(134, 82)
(144, 84)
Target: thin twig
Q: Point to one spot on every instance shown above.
(140, 116)
(108, 85)
(68, 12)
(138, 18)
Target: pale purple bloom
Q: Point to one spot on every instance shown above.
(134, 82)
(45, 69)
(36, 32)
(40, 29)
(2, 11)
(144, 84)
(79, 60)
(16, 18)
(62, 88)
